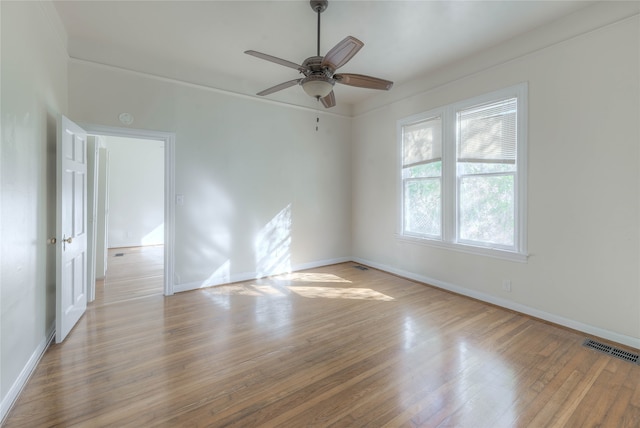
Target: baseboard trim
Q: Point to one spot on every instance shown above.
(227, 278)
(14, 392)
(507, 304)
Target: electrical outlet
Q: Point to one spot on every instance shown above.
(506, 285)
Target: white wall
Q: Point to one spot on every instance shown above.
(136, 192)
(34, 92)
(583, 186)
(263, 191)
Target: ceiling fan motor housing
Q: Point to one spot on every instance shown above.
(318, 81)
(314, 66)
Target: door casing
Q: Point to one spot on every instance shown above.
(169, 188)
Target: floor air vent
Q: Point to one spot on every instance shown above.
(613, 351)
(361, 267)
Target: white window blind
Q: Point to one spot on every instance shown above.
(422, 142)
(488, 133)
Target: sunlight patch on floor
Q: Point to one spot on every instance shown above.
(256, 290)
(326, 285)
(313, 277)
(245, 290)
(340, 293)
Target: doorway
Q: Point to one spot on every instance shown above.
(134, 220)
(138, 222)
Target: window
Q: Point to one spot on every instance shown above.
(422, 177)
(463, 174)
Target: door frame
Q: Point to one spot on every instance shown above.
(92, 206)
(169, 139)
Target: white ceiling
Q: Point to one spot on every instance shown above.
(203, 42)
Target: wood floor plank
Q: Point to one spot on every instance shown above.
(332, 346)
(609, 392)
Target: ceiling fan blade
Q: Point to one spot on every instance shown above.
(362, 81)
(329, 101)
(279, 87)
(276, 60)
(341, 53)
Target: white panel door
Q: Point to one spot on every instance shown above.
(71, 227)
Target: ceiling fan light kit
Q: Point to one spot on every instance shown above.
(320, 72)
(317, 87)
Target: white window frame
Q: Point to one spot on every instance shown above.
(419, 118)
(449, 186)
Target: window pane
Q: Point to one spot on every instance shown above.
(422, 142)
(433, 169)
(468, 168)
(487, 133)
(422, 206)
(487, 209)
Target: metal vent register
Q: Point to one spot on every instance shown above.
(613, 351)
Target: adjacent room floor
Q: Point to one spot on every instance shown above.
(333, 346)
(132, 273)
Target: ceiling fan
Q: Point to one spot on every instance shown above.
(320, 72)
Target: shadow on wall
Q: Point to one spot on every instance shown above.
(205, 246)
(272, 251)
(273, 245)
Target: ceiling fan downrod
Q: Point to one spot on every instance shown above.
(318, 6)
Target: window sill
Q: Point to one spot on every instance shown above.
(467, 249)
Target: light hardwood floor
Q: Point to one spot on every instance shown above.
(137, 273)
(333, 346)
